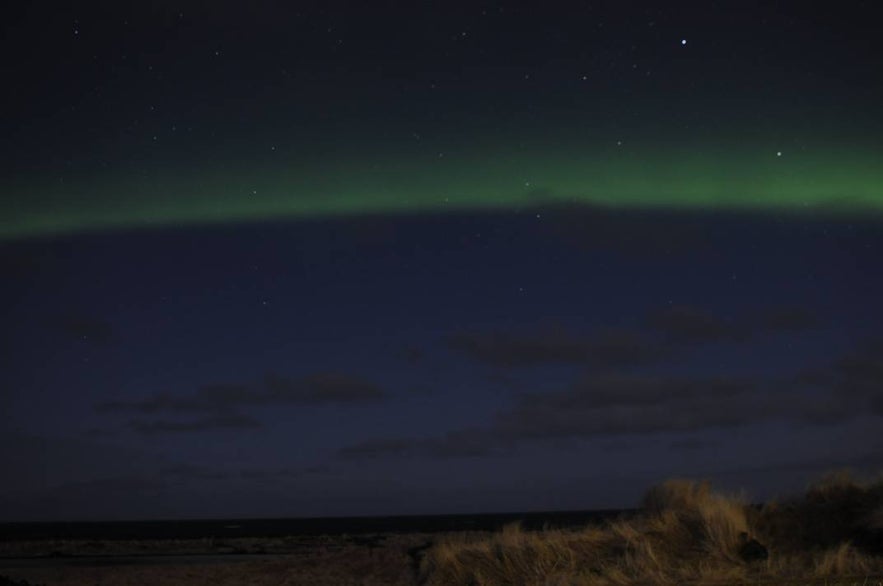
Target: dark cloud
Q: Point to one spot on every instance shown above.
(505, 379)
(669, 329)
(609, 348)
(620, 347)
(321, 388)
(628, 404)
(692, 444)
(861, 370)
(412, 354)
(592, 407)
(871, 462)
(161, 403)
(272, 475)
(380, 447)
(210, 423)
(692, 325)
(188, 472)
(786, 319)
(316, 389)
(613, 390)
(638, 404)
(577, 415)
(98, 433)
(82, 327)
(855, 377)
(619, 445)
(475, 443)
(506, 349)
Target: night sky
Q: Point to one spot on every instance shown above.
(280, 259)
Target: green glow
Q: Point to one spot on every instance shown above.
(619, 177)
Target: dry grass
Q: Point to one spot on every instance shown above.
(685, 533)
(836, 509)
(313, 561)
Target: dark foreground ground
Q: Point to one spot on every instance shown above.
(684, 533)
(365, 560)
(333, 560)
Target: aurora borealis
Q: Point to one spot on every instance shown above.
(337, 258)
(176, 117)
(481, 180)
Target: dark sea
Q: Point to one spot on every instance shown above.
(228, 528)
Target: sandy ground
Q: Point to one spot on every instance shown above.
(345, 560)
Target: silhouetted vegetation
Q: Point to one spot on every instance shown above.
(685, 533)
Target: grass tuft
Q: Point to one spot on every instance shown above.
(684, 533)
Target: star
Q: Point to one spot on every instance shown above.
(683, 42)
(778, 153)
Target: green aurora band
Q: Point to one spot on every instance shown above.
(759, 180)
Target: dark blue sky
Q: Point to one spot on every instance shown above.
(420, 365)
(168, 353)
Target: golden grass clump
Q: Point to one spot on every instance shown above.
(714, 524)
(511, 556)
(834, 510)
(685, 533)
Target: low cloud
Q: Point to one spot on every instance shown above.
(315, 389)
(855, 377)
(413, 355)
(184, 473)
(476, 443)
(687, 324)
(615, 390)
(627, 404)
(668, 331)
(319, 389)
(786, 320)
(210, 423)
(189, 472)
(606, 406)
(609, 348)
(692, 444)
(692, 325)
